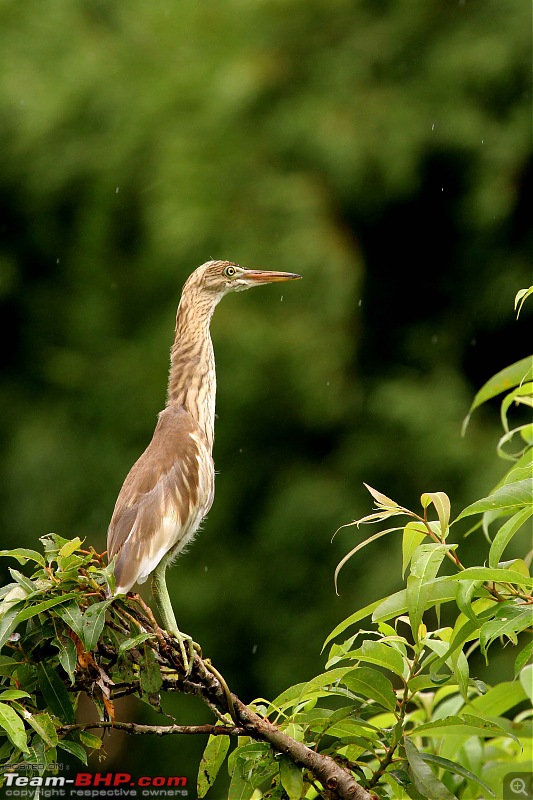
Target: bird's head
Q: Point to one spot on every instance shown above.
(221, 277)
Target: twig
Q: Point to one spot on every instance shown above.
(156, 730)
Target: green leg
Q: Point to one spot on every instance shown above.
(162, 599)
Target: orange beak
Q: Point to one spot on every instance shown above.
(257, 276)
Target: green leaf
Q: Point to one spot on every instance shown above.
(70, 547)
(13, 694)
(93, 624)
(8, 622)
(371, 684)
(441, 501)
(23, 555)
(521, 395)
(441, 591)
(68, 656)
(504, 380)
(423, 776)
(90, 740)
(22, 580)
(151, 680)
(212, 759)
(38, 608)
(74, 748)
(423, 569)
(134, 641)
(381, 654)
(512, 621)
(499, 699)
(458, 769)
(526, 679)
(12, 724)
(72, 616)
(521, 297)
(43, 725)
(506, 533)
(352, 620)
(413, 534)
(8, 665)
(54, 693)
(465, 592)
(493, 575)
(523, 657)
(291, 778)
(457, 726)
(358, 547)
(508, 496)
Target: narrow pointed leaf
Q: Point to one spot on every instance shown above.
(455, 767)
(72, 616)
(380, 497)
(504, 380)
(212, 759)
(506, 533)
(93, 624)
(495, 575)
(424, 778)
(291, 778)
(511, 495)
(441, 501)
(55, 695)
(74, 749)
(371, 684)
(42, 724)
(8, 622)
(38, 608)
(360, 546)
(414, 534)
(523, 657)
(351, 620)
(22, 555)
(526, 679)
(12, 724)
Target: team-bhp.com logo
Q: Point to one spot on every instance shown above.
(97, 784)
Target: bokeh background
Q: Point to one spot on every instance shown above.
(382, 149)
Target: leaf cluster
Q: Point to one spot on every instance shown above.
(398, 703)
(60, 636)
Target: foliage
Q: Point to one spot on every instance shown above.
(398, 704)
(359, 144)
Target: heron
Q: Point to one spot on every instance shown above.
(170, 488)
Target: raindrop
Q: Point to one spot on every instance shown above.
(433, 126)
(434, 339)
(117, 190)
(473, 342)
(254, 649)
(360, 303)
(58, 260)
(205, 568)
(281, 299)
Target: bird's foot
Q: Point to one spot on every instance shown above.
(188, 649)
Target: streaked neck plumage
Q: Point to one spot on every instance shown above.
(192, 377)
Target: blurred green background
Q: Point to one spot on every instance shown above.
(382, 149)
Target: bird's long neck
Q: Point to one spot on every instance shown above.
(192, 377)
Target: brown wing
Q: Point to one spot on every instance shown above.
(164, 498)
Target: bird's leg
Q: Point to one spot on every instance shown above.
(162, 599)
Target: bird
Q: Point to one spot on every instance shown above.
(170, 488)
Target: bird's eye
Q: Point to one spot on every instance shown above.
(229, 272)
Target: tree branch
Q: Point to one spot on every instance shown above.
(205, 681)
(156, 730)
